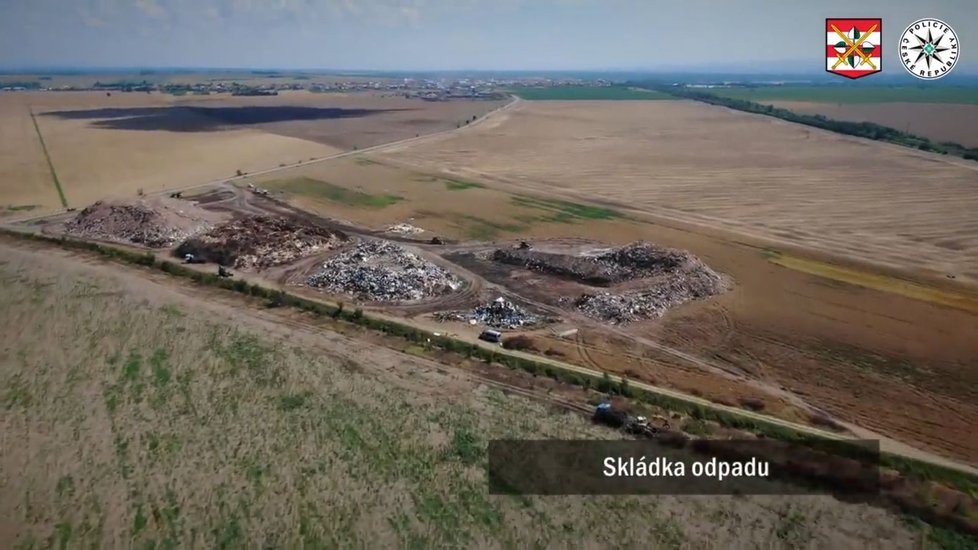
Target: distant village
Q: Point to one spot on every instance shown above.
(421, 88)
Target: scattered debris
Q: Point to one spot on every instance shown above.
(381, 271)
(154, 222)
(648, 303)
(259, 242)
(659, 278)
(499, 313)
(404, 229)
(634, 261)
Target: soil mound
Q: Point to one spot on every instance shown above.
(156, 223)
(259, 242)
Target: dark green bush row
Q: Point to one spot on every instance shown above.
(867, 130)
(603, 383)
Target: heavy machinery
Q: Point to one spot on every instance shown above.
(605, 414)
(223, 272)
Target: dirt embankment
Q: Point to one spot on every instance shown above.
(155, 222)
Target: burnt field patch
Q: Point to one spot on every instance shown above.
(208, 119)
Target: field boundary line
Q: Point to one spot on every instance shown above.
(676, 401)
(47, 156)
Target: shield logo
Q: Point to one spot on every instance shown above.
(853, 47)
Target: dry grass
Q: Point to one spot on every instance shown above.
(134, 415)
(450, 207)
(746, 173)
(25, 179)
(938, 121)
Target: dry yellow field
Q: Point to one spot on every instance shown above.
(25, 181)
(715, 167)
(112, 145)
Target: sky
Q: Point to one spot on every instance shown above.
(404, 35)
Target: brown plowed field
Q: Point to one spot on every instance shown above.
(938, 121)
(713, 166)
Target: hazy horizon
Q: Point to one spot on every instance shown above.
(751, 36)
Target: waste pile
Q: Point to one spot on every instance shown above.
(259, 242)
(153, 223)
(404, 229)
(381, 271)
(634, 261)
(649, 303)
(500, 313)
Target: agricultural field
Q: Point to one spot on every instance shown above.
(376, 194)
(189, 419)
(938, 113)
(27, 181)
(789, 183)
(587, 93)
(838, 286)
(853, 94)
(104, 146)
(940, 122)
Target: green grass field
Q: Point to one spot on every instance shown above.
(588, 92)
(851, 94)
(318, 189)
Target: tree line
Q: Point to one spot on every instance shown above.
(869, 130)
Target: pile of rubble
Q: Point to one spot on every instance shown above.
(500, 313)
(404, 229)
(156, 223)
(648, 303)
(381, 271)
(259, 242)
(634, 261)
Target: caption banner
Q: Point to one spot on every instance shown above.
(682, 467)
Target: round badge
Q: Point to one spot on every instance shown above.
(929, 49)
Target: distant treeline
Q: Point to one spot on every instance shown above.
(868, 130)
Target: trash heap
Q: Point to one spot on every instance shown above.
(634, 261)
(259, 242)
(404, 229)
(649, 303)
(500, 313)
(135, 222)
(381, 271)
